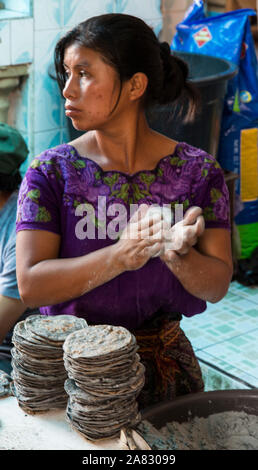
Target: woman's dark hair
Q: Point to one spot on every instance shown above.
(10, 182)
(129, 45)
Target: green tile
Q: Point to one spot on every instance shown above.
(229, 295)
(249, 363)
(252, 291)
(225, 316)
(239, 309)
(253, 355)
(238, 341)
(232, 348)
(195, 333)
(212, 332)
(250, 337)
(224, 328)
(237, 314)
(252, 313)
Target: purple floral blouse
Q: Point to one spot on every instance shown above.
(59, 181)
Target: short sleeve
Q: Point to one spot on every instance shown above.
(8, 279)
(38, 205)
(210, 192)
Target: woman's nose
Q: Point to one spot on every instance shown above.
(70, 90)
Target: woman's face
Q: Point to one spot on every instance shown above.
(91, 90)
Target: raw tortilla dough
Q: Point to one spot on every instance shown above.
(166, 214)
(229, 430)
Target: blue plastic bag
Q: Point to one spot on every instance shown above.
(229, 37)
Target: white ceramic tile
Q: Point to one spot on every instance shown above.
(217, 380)
(248, 292)
(21, 41)
(47, 14)
(5, 46)
(220, 322)
(25, 164)
(148, 10)
(45, 140)
(11, 14)
(20, 113)
(142, 9)
(65, 137)
(156, 24)
(22, 6)
(228, 366)
(47, 104)
(240, 352)
(76, 11)
(63, 119)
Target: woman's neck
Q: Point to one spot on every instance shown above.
(128, 145)
(121, 146)
(125, 144)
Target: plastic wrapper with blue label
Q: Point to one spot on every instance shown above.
(229, 37)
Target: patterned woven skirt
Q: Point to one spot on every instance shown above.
(172, 368)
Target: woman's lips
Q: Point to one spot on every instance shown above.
(70, 111)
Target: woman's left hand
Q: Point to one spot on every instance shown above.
(179, 239)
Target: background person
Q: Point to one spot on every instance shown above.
(13, 152)
(111, 68)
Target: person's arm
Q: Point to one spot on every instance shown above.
(45, 279)
(206, 270)
(11, 306)
(10, 311)
(204, 265)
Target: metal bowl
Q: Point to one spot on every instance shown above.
(202, 404)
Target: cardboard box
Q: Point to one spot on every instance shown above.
(237, 4)
(173, 12)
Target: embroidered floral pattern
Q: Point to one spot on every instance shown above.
(190, 177)
(59, 180)
(29, 209)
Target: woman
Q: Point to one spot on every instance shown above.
(110, 69)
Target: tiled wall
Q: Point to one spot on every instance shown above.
(22, 6)
(16, 46)
(40, 115)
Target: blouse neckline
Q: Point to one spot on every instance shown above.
(122, 172)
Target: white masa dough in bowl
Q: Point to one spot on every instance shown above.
(229, 430)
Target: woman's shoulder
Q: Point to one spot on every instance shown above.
(193, 154)
(54, 155)
(196, 160)
(58, 162)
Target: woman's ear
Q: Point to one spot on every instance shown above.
(138, 85)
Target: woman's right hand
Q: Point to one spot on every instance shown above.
(137, 243)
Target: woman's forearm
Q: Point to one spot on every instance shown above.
(54, 281)
(203, 276)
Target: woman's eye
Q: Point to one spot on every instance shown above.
(82, 73)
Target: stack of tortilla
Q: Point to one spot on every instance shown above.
(105, 378)
(5, 384)
(37, 360)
